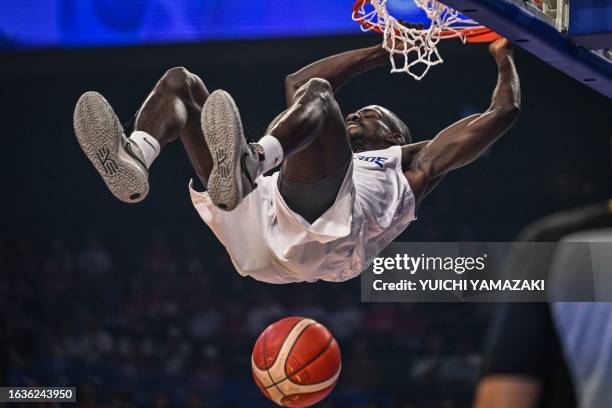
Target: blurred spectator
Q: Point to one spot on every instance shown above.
(426, 368)
(94, 260)
(264, 312)
(345, 317)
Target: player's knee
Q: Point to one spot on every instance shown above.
(318, 91)
(320, 86)
(176, 80)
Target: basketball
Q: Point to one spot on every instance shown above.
(296, 362)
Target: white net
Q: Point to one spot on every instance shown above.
(413, 48)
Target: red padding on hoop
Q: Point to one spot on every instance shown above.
(473, 35)
(356, 7)
(487, 37)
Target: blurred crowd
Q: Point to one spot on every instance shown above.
(168, 322)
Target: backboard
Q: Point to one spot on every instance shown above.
(574, 36)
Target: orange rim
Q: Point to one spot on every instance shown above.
(480, 34)
(356, 7)
(477, 34)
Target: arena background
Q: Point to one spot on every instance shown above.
(138, 305)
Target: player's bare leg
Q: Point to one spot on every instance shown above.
(310, 134)
(172, 110)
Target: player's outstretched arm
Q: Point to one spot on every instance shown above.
(464, 141)
(337, 69)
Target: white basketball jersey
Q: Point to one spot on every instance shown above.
(269, 242)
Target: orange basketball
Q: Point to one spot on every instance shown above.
(296, 362)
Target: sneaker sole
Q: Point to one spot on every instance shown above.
(100, 135)
(222, 130)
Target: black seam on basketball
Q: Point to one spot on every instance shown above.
(263, 351)
(288, 377)
(284, 340)
(310, 362)
(264, 356)
(307, 393)
(289, 353)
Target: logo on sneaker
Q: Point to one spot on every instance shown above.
(110, 167)
(221, 158)
(150, 144)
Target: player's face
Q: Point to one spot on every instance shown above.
(369, 128)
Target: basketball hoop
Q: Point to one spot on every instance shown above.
(414, 44)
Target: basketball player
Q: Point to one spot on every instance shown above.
(346, 188)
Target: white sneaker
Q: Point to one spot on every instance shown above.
(235, 163)
(118, 160)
